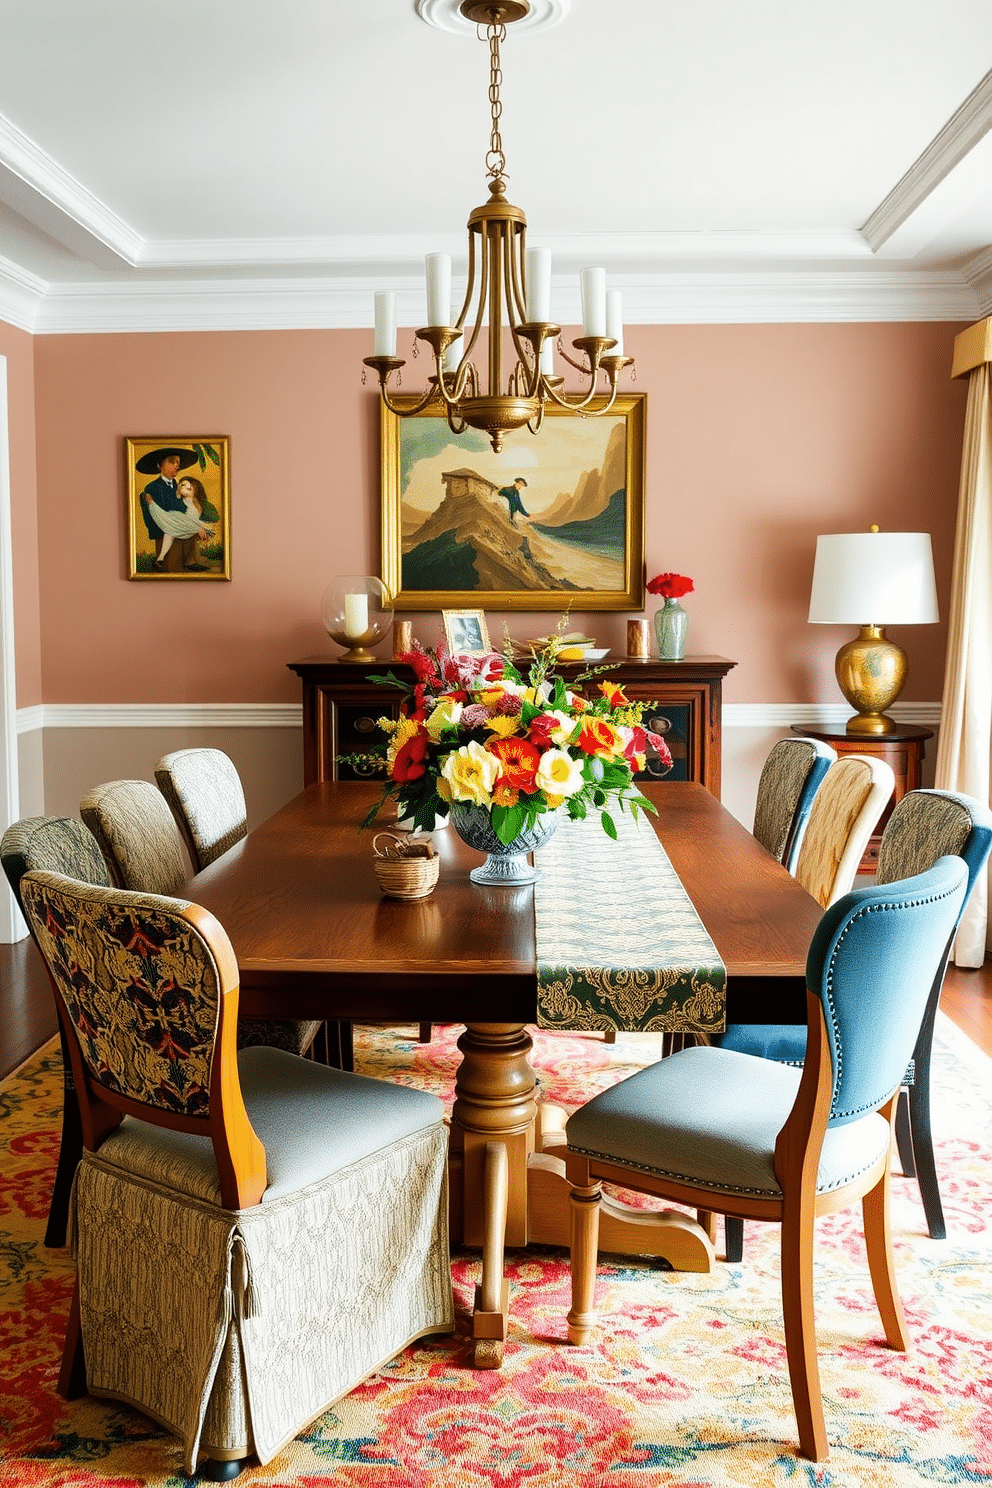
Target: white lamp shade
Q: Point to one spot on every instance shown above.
(873, 578)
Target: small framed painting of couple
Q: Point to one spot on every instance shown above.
(178, 505)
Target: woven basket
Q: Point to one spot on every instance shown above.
(406, 868)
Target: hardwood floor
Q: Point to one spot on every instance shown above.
(27, 1015)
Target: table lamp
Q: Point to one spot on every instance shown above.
(889, 577)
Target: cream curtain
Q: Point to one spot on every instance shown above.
(964, 753)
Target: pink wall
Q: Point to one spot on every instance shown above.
(18, 349)
(759, 437)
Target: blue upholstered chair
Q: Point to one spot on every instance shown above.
(255, 1233)
(727, 1133)
(924, 826)
(56, 844)
(790, 778)
(144, 851)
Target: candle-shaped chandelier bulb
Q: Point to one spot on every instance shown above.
(508, 292)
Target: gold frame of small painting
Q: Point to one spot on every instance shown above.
(466, 632)
(178, 507)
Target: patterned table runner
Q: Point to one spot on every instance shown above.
(619, 942)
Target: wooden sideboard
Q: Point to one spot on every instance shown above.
(341, 705)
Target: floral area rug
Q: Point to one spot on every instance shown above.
(686, 1385)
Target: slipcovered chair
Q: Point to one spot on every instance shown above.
(143, 850)
(845, 811)
(57, 844)
(254, 1233)
(789, 781)
(924, 826)
(728, 1133)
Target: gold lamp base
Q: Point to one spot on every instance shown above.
(870, 672)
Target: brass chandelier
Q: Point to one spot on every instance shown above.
(509, 287)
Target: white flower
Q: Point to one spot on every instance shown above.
(558, 774)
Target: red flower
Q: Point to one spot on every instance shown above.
(660, 747)
(541, 729)
(597, 736)
(409, 761)
(670, 585)
(518, 759)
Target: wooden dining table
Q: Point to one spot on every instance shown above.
(315, 938)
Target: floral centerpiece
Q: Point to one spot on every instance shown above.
(474, 730)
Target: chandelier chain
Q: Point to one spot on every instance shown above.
(495, 159)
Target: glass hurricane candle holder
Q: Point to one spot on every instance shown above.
(357, 612)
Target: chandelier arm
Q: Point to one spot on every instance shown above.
(581, 405)
(429, 396)
(535, 423)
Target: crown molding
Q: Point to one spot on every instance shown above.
(978, 273)
(21, 295)
(710, 297)
(290, 715)
(49, 197)
(965, 129)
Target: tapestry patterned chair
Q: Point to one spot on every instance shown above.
(790, 778)
(56, 844)
(254, 1233)
(144, 851)
(724, 1132)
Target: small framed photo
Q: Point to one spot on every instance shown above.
(178, 507)
(465, 632)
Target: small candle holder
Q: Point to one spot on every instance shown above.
(357, 611)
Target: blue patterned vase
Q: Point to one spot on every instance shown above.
(506, 862)
(670, 625)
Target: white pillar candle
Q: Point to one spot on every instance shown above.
(385, 323)
(356, 616)
(438, 267)
(614, 321)
(592, 283)
(548, 357)
(453, 355)
(538, 270)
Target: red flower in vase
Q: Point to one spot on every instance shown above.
(670, 585)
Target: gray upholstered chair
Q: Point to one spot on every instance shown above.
(56, 844)
(144, 851)
(790, 778)
(845, 811)
(924, 826)
(206, 798)
(255, 1233)
(728, 1133)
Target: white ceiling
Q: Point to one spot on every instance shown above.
(213, 163)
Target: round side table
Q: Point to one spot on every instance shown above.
(904, 750)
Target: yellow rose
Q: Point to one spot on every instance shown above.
(471, 772)
(558, 774)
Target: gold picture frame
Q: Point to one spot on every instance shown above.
(178, 507)
(573, 538)
(466, 632)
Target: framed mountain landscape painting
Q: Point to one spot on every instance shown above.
(554, 521)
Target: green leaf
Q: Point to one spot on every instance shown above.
(212, 453)
(609, 825)
(508, 821)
